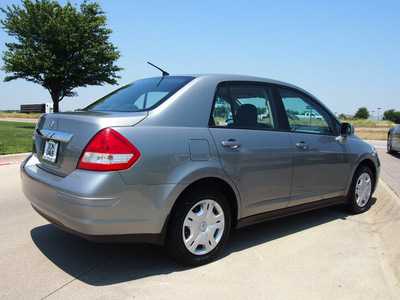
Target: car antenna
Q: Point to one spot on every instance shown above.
(164, 73)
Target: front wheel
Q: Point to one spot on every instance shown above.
(359, 197)
(199, 227)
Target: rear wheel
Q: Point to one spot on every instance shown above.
(359, 197)
(199, 227)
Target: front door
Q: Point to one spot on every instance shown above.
(321, 164)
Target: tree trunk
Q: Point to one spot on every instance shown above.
(55, 106)
(55, 96)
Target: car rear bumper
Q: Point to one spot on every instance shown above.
(73, 203)
(115, 238)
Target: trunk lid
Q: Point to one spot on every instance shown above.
(60, 138)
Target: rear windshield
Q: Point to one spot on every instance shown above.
(140, 95)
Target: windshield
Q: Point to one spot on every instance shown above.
(140, 95)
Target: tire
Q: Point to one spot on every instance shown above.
(359, 197)
(199, 227)
(389, 145)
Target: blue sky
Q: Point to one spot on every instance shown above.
(346, 53)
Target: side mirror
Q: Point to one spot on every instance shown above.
(347, 129)
(396, 121)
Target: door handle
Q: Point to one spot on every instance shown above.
(302, 145)
(233, 144)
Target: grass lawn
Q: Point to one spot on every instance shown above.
(370, 123)
(372, 133)
(19, 115)
(16, 137)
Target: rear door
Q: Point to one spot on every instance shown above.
(321, 164)
(253, 152)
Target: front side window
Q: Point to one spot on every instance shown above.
(243, 106)
(140, 95)
(304, 115)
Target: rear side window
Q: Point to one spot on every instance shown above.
(247, 106)
(140, 95)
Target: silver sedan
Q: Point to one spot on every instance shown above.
(183, 160)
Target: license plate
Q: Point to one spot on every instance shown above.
(50, 151)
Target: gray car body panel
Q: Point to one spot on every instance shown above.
(362, 152)
(177, 150)
(321, 171)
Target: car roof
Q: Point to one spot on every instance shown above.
(233, 77)
(237, 77)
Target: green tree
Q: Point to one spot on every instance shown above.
(362, 113)
(292, 112)
(221, 111)
(60, 48)
(391, 115)
(261, 110)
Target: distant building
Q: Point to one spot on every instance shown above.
(37, 108)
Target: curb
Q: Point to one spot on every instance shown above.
(385, 223)
(389, 190)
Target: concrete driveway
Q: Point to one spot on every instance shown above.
(324, 254)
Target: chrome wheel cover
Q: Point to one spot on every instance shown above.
(203, 227)
(363, 189)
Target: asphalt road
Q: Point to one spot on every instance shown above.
(324, 254)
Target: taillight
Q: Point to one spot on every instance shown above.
(108, 151)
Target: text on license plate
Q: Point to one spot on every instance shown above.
(50, 151)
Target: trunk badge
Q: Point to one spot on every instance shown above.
(51, 124)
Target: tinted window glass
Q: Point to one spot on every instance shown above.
(222, 112)
(304, 115)
(252, 106)
(244, 106)
(140, 95)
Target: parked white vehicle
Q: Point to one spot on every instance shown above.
(309, 115)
